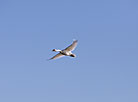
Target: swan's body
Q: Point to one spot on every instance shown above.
(66, 51)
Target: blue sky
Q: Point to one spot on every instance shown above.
(106, 66)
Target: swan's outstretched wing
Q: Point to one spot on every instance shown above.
(57, 56)
(72, 46)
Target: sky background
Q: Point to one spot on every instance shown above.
(106, 66)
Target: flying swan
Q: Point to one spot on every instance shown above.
(66, 51)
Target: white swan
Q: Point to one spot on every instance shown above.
(66, 51)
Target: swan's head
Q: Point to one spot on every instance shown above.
(54, 50)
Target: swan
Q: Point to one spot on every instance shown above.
(66, 51)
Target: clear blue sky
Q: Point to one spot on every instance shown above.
(106, 66)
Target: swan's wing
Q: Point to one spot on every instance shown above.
(57, 56)
(72, 46)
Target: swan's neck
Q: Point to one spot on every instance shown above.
(57, 50)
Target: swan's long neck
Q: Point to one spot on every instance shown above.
(57, 50)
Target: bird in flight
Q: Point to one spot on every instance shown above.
(66, 51)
